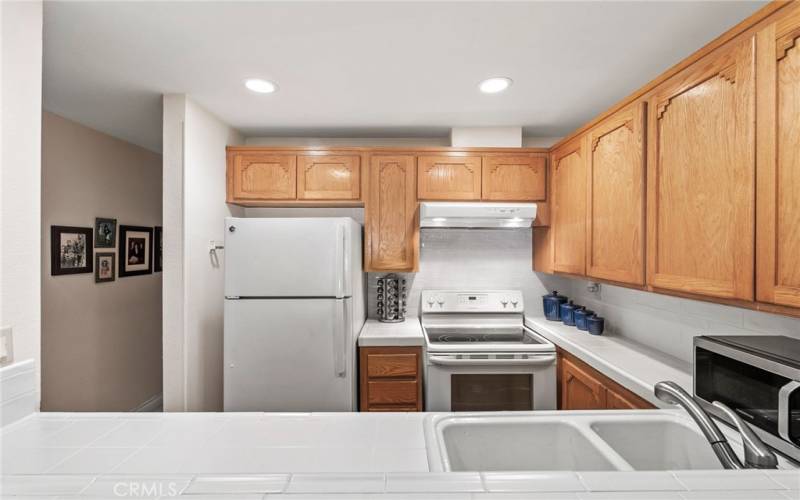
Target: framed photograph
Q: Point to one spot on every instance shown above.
(71, 250)
(104, 267)
(157, 249)
(105, 232)
(135, 250)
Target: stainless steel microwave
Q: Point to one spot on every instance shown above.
(759, 378)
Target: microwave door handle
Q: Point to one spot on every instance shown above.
(450, 361)
(783, 408)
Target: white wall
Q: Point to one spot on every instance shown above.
(20, 184)
(669, 324)
(194, 210)
(400, 142)
(486, 137)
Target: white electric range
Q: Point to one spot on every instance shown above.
(479, 356)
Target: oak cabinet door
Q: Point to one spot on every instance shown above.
(568, 208)
(392, 225)
(514, 178)
(615, 198)
(390, 378)
(262, 177)
(449, 177)
(328, 177)
(778, 198)
(580, 390)
(617, 401)
(701, 177)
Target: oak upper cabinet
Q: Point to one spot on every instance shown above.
(449, 177)
(329, 177)
(778, 210)
(568, 207)
(260, 176)
(701, 177)
(615, 190)
(514, 177)
(392, 229)
(580, 390)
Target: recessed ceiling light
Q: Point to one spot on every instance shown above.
(260, 86)
(495, 85)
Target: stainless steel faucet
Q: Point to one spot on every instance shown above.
(757, 455)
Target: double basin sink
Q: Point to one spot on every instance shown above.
(574, 441)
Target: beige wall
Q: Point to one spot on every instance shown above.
(101, 342)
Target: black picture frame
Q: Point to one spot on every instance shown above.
(75, 255)
(158, 251)
(99, 259)
(102, 226)
(135, 243)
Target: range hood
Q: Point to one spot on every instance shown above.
(476, 215)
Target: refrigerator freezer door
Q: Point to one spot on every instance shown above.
(288, 257)
(289, 355)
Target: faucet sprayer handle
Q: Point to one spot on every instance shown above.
(756, 454)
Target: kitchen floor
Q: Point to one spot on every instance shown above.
(199, 443)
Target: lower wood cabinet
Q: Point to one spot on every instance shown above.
(390, 378)
(581, 387)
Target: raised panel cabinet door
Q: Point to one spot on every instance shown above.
(328, 177)
(391, 214)
(580, 390)
(778, 198)
(262, 176)
(617, 401)
(449, 177)
(615, 190)
(514, 178)
(568, 208)
(701, 177)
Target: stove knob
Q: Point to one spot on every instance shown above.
(430, 302)
(514, 303)
(440, 301)
(504, 301)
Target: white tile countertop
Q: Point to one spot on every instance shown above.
(303, 456)
(632, 365)
(377, 334)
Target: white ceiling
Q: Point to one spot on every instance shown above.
(363, 69)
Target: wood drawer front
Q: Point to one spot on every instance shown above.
(328, 177)
(263, 177)
(392, 392)
(392, 365)
(514, 178)
(449, 177)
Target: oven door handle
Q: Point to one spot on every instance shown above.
(783, 408)
(450, 361)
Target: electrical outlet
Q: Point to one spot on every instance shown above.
(6, 346)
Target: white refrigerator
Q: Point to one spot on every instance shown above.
(294, 304)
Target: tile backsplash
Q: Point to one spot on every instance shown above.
(480, 259)
(669, 324)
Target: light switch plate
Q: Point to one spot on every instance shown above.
(6, 346)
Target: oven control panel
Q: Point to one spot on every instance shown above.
(485, 301)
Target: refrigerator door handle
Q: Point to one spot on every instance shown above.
(340, 261)
(339, 339)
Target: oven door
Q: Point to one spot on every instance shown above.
(490, 382)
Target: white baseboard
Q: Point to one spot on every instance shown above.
(155, 403)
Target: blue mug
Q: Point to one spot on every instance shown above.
(568, 313)
(581, 316)
(596, 324)
(552, 305)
